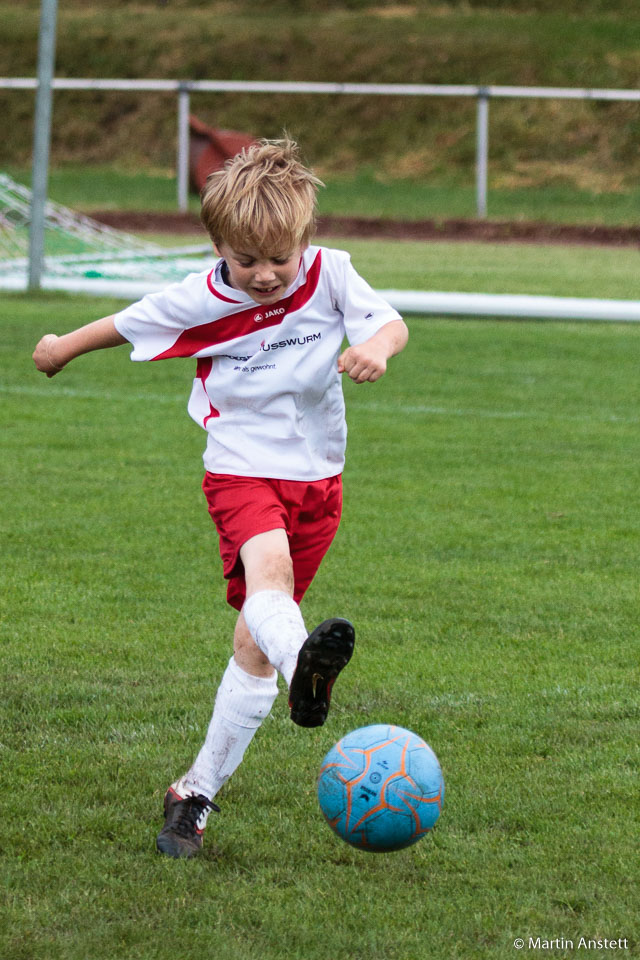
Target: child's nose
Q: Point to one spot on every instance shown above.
(265, 272)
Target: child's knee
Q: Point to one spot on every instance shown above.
(275, 573)
(267, 562)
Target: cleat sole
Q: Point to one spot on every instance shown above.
(324, 654)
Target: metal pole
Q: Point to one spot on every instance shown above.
(42, 139)
(182, 166)
(482, 152)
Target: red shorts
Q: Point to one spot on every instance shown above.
(242, 507)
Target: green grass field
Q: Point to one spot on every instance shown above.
(488, 557)
(560, 271)
(109, 188)
(467, 267)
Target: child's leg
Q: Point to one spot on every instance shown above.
(270, 632)
(309, 664)
(249, 686)
(244, 698)
(271, 614)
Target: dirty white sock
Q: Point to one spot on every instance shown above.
(275, 623)
(242, 703)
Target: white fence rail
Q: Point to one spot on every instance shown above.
(185, 88)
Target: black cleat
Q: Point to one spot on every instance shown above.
(184, 824)
(322, 656)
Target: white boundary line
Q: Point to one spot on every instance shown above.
(422, 302)
(513, 305)
(390, 409)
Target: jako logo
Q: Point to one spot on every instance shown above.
(259, 317)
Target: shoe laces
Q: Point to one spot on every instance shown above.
(189, 812)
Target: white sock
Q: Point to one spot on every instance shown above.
(242, 703)
(275, 623)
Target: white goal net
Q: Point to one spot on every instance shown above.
(84, 256)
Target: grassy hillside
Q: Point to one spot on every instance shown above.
(591, 146)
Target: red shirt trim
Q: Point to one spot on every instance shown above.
(213, 290)
(243, 322)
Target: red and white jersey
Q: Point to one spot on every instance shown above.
(267, 388)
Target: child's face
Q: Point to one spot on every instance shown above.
(264, 279)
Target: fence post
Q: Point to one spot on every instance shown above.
(182, 164)
(41, 140)
(482, 151)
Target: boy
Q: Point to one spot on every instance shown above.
(266, 325)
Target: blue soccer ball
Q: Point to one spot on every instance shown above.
(381, 788)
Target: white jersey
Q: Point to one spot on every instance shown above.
(267, 388)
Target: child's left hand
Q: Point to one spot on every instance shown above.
(368, 361)
(364, 362)
(44, 358)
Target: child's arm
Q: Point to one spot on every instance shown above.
(52, 353)
(368, 360)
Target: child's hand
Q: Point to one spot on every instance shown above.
(364, 362)
(44, 356)
(368, 360)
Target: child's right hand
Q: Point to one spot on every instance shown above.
(44, 356)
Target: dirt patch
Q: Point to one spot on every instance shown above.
(481, 231)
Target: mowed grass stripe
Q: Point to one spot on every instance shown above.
(391, 410)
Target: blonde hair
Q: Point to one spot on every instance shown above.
(263, 198)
